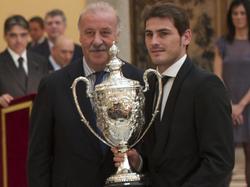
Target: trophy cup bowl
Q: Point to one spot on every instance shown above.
(119, 107)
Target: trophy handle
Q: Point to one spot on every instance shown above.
(83, 119)
(156, 109)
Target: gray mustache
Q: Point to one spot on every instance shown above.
(98, 48)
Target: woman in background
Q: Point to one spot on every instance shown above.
(232, 65)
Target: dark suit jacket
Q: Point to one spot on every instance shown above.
(193, 143)
(43, 49)
(62, 151)
(9, 81)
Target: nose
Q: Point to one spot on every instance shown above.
(19, 38)
(97, 39)
(155, 39)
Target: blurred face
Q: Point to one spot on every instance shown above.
(239, 17)
(17, 39)
(63, 52)
(164, 44)
(36, 32)
(97, 32)
(54, 26)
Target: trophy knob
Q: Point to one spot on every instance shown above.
(115, 63)
(113, 51)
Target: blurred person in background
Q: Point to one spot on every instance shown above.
(61, 53)
(55, 26)
(36, 30)
(20, 70)
(232, 65)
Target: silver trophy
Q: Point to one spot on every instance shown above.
(119, 106)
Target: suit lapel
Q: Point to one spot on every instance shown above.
(163, 129)
(149, 102)
(83, 100)
(11, 67)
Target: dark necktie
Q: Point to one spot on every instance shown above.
(164, 81)
(22, 74)
(99, 76)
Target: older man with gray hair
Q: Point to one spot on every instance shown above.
(62, 151)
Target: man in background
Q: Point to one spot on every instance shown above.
(55, 26)
(20, 70)
(36, 30)
(61, 53)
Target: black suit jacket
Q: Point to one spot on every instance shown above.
(193, 144)
(43, 49)
(62, 150)
(9, 80)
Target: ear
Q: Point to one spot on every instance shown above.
(5, 37)
(186, 37)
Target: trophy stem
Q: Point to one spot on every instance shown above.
(125, 176)
(124, 167)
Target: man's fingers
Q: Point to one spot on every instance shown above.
(114, 150)
(118, 158)
(3, 103)
(117, 164)
(5, 99)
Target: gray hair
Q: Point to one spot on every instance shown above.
(100, 6)
(56, 12)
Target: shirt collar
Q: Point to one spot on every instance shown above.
(175, 67)
(54, 64)
(41, 40)
(51, 44)
(15, 56)
(88, 70)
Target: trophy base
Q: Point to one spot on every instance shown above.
(128, 179)
(128, 184)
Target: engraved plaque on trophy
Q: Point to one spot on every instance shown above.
(119, 107)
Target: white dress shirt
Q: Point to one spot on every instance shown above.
(171, 72)
(15, 58)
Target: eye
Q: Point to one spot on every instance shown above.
(242, 13)
(58, 22)
(12, 35)
(162, 34)
(89, 32)
(49, 23)
(23, 35)
(148, 34)
(106, 33)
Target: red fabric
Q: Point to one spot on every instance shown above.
(17, 128)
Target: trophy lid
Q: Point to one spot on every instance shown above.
(115, 78)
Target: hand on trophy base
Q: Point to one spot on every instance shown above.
(125, 176)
